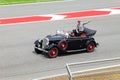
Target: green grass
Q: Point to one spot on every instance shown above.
(8, 2)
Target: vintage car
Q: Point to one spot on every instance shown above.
(61, 42)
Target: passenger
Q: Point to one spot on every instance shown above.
(80, 26)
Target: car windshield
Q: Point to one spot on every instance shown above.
(61, 32)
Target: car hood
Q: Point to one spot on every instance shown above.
(56, 37)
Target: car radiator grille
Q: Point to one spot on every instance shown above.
(44, 42)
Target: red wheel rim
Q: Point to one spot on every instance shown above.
(90, 47)
(53, 52)
(63, 45)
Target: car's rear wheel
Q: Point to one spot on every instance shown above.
(90, 47)
(53, 52)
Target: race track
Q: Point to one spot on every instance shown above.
(18, 61)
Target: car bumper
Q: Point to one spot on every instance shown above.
(97, 44)
(41, 49)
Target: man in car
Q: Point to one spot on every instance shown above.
(80, 26)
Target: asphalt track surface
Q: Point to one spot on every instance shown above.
(18, 60)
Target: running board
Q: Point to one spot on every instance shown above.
(75, 50)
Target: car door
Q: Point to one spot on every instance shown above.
(74, 43)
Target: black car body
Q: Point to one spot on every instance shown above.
(52, 45)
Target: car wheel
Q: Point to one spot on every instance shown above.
(62, 45)
(90, 47)
(53, 52)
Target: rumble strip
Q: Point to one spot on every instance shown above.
(67, 15)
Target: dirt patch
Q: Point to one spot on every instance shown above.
(105, 76)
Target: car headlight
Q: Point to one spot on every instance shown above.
(39, 40)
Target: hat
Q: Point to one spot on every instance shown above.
(78, 21)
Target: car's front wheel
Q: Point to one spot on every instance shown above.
(90, 47)
(53, 52)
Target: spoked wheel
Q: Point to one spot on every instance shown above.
(63, 45)
(90, 47)
(53, 52)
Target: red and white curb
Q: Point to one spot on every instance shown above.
(61, 16)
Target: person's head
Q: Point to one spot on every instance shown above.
(78, 21)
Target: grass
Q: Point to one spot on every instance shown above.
(8, 2)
